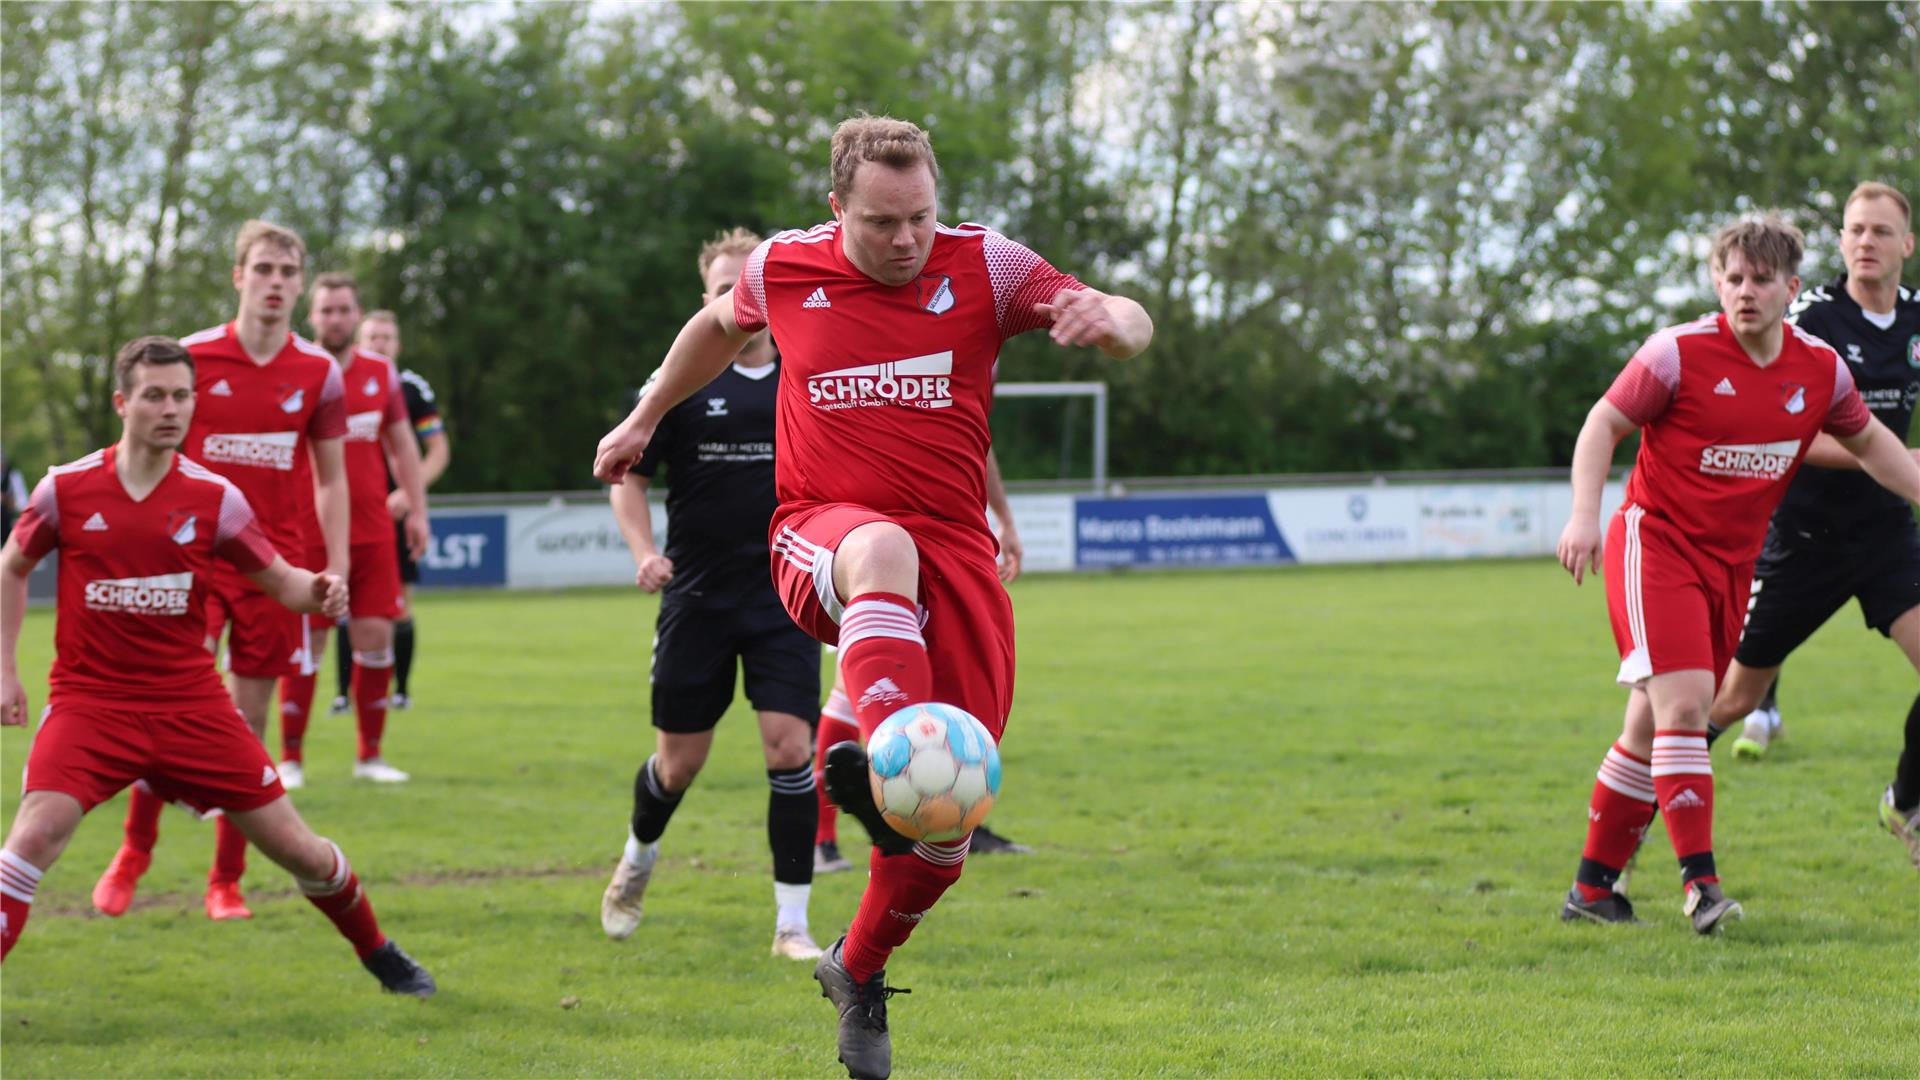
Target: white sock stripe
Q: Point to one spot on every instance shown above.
(948, 853)
(1631, 791)
(1681, 742)
(1636, 784)
(1628, 766)
(878, 607)
(381, 659)
(1689, 768)
(838, 707)
(335, 882)
(792, 785)
(870, 618)
(19, 879)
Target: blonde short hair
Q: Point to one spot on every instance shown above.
(1768, 240)
(255, 231)
(895, 143)
(735, 241)
(1874, 189)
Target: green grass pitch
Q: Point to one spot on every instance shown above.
(1305, 822)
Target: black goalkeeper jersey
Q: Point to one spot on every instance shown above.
(717, 447)
(1847, 503)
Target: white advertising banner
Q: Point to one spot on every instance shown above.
(553, 546)
(1357, 524)
(1045, 523)
(1482, 520)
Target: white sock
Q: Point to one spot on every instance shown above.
(638, 855)
(20, 879)
(792, 900)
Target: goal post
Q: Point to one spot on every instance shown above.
(1097, 391)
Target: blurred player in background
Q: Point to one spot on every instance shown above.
(134, 696)
(1837, 534)
(271, 417)
(1727, 406)
(889, 326)
(837, 723)
(380, 332)
(377, 430)
(718, 610)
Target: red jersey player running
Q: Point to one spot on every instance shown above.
(134, 695)
(266, 398)
(889, 325)
(377, 429)
(1728, 406)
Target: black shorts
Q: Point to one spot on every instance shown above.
(409, 570)
(694, 651)
(1798, 584)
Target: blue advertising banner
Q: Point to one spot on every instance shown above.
(1220, 530)
(467, 550)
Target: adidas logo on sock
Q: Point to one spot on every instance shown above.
(883, 692)
(817, 299)
(96, 523)
(1685, 800)
(1725, 389)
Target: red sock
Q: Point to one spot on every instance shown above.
(229, 853)
(143, 819)
(341, 899)
(1617, 817)
(883, 657)
(372, 677)
(835, 726)
(900, 890)
(296, 708)
(19, 879)
(1683, 778)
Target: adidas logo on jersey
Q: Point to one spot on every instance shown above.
(817, 299)
(881, 693)
(220, 389)
(162, 594)
(96, 523)
(919, 382)
(1725, 389)
(1686, 800)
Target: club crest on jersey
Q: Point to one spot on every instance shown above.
(1795, 397)
(180, 525)
(292, 402)
(936, 293)
(373, 386)
(1913, 352)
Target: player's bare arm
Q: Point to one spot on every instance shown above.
(330, 499)
(403, 453)
(705, 346)
(436, 454)
(1012, 552)
(652, 570)
(1579, 547)
(14, 568)
(1115, 325)
(302, 590)
(1885, 458)
(1827, 453)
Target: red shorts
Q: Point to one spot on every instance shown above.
(267, 640)
(373, 581)
(202, 755)
(1673, 607)
(965, 613)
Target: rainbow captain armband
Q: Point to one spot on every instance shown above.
(428, 426)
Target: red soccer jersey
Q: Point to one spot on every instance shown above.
(885, 390)
(1721, 436)
(374, 400)
(252, 424)
(131, 626)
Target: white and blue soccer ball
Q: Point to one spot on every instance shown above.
(934, 770)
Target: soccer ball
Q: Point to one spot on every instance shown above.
(934, 771)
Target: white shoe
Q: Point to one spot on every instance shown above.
(339, 707)
(1757, 735)
(377, 770)
(292, 776)
(794, 943)
(620, 904)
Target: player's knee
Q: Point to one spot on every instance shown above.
(676, 773)
(788, 750)
(878, 557)
(1689, 715)
(39, 840)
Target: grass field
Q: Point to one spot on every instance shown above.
(1300, 822)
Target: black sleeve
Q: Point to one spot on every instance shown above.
(661, 443)
(421, 404)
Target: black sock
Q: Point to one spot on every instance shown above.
(793, 814)
(343, 663)
(653, 804)
(1906, 778)
(402, 653)
(1773, 693)
(1714, 731)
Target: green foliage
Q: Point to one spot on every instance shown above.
(1266, 860)
(1371, 236)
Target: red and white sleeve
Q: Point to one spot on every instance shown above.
(37, 530)
(329, 419)
(1021, 279)
(1847, 414)
(1645, 387)
(237, 537)
(396, 410)
(750, 292)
